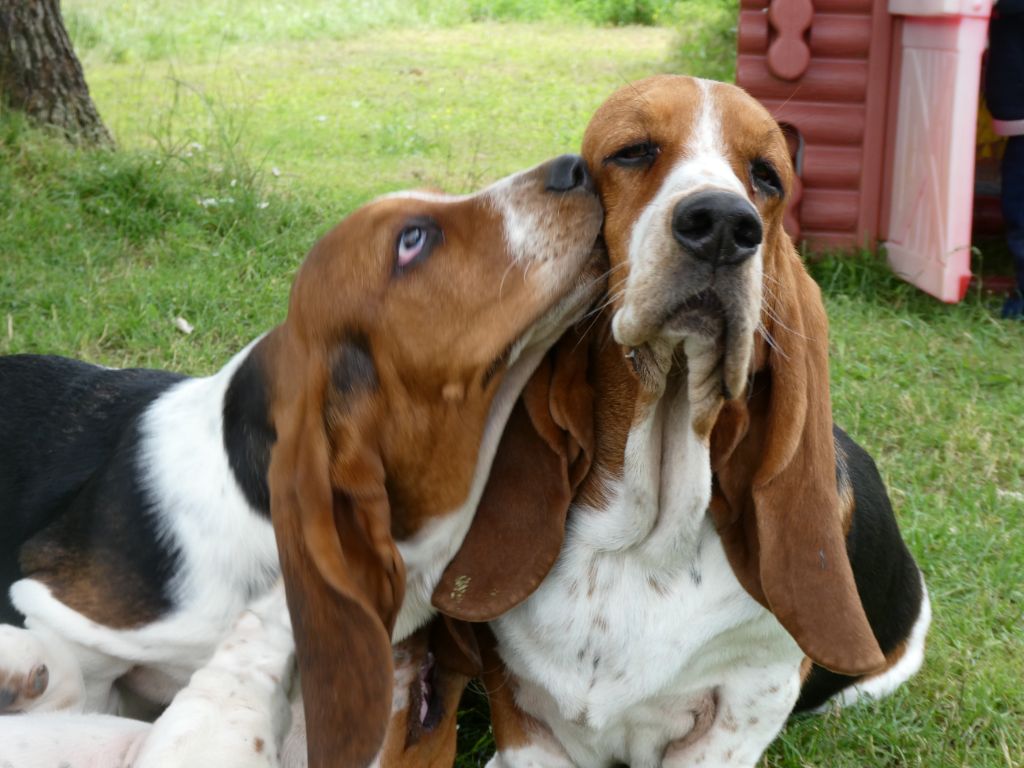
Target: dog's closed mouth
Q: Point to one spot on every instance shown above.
(700, 313)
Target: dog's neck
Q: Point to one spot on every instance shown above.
(658, 504)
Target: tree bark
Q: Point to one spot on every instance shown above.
(40, 74)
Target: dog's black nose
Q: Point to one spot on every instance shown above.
(720, 227)
(567, 173)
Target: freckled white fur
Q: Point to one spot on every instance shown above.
(623, 642)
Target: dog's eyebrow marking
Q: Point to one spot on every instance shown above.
(353, 369)
(706, 139)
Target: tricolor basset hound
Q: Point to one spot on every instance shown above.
(728, 554)
(138, 508)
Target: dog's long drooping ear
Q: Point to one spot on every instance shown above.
(775, 501)
(343, 575)
(544, 454)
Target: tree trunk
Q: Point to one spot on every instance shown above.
(40, 74)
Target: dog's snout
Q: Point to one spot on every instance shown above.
(567, 173)
(719, 227)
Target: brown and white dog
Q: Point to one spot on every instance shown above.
(729, 548)
(139, 508)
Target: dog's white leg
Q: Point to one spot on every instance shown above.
(234, 711)
(45, 740)
(752, 706)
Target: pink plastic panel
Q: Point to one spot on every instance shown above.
(930, 211)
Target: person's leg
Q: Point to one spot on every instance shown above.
(1013, 215)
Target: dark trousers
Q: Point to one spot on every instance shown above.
(1013, 203)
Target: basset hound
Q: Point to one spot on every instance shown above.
(346, 449)
(728, 553)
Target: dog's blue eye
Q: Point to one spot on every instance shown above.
(414, 242)
(410, 244)
(419, 236)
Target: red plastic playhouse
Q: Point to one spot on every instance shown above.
(880, 101)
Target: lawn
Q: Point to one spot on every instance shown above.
(246, 129)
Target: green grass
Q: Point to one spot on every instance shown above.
(936, 393)
(117, 32)
(226, 174)
(391, 109)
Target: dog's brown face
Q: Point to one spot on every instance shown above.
(693, 175)
(444, 330)
(405, 323)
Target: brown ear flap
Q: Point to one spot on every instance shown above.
(455, 645)
(343, 575)
(775, 500)
(544, 454)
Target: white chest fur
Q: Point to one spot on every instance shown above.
(642, 622)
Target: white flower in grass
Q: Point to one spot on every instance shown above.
(183, 325)
(321, 118)
(275, 171)
(207, 202)
(262, 204)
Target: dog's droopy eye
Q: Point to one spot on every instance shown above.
(639, 155)
(764, 178)
(415, 241)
